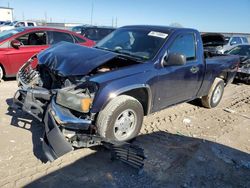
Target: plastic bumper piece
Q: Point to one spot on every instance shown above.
(54, 142)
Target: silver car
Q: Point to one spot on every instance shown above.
(231, 42)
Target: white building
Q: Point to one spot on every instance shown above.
(6, 14)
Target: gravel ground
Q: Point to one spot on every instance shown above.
(186, 146)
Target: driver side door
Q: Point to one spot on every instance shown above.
(31, 43)
(178, 83)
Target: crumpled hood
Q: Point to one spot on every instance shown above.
(67, 59)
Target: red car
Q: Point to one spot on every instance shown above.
(18, 45)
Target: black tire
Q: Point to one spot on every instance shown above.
(109, 116)
(209, 101)
(1, 73)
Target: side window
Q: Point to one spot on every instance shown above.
(91, 34)
(78, 39)
(244, 51)
(244, 39)
(235, 40)
(184, 44)
(60, 36)
(35, 38)
(30, 24)
(20, 24)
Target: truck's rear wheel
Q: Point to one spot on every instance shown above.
(215, 94)
(121, 119)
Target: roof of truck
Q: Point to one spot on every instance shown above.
(165, 29)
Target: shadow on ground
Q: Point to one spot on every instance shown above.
(172, 161)
(25, 121)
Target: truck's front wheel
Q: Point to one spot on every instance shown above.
(1, 73)
(121, 119)
(215, 94)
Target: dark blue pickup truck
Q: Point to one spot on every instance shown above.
(82, 94)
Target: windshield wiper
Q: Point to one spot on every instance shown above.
(103, 48)
(124, 54)
(130, 55)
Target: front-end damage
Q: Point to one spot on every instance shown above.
(63, 103)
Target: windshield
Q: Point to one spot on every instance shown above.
(13, 23)
(6, 34)
(138, 43)
(7, 23)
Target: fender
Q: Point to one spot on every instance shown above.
(106, 94)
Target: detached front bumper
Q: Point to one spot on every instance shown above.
(55, 143)
(40, 104)
(57, 118)
(33, 101)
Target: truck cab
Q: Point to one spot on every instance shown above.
(17, 24)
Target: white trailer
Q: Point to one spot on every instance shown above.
(6, 14)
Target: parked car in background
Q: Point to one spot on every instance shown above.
(243, 72)
(17, 24)
(103, 93)
(6, 23)
(2, 22)
(95, 33)
(212, 42)
(19, 44)
(231, 42)
(77, 29)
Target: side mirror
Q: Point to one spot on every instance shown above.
(233, 43)
(15, 44)
(174, 59)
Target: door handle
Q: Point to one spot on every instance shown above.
(194, 69)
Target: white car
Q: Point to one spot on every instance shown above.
(17, 24)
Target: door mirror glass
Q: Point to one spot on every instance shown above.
(233, 43)
(15, 44)
(174, 59)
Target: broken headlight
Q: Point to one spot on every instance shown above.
(76, 98)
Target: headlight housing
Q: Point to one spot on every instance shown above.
(76, 98)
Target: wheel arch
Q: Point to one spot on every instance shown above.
(223, 76)
(1, 66)
(141, 92)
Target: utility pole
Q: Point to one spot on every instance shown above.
(45, 17)
(92, 9)
(23, 15)
(116, 22)
(112, 21)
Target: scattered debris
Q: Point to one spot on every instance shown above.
(186, 121)
(234, 112)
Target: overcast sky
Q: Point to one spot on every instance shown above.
(204, 15)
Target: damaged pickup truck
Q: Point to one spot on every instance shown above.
(86, 95)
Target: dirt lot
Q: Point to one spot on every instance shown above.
(186, 146)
